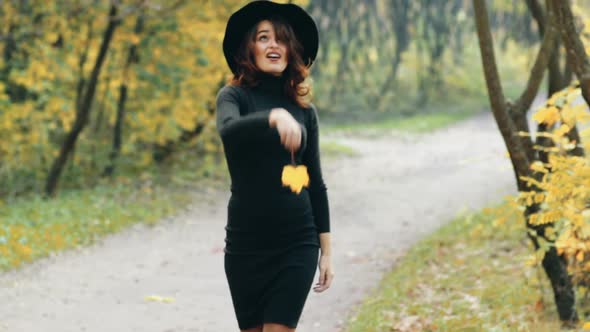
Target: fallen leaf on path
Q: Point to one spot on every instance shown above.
(156, 298)
(539, 305)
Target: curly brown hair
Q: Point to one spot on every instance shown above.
(296, 72)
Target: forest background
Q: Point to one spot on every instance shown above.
(111, 104)
(86, 99)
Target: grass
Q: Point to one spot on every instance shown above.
(470, 275)
(32, 227)
(432, 118)
(332, 149)
(418, 123)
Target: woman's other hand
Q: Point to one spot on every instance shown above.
(288, 128)
(326, 274)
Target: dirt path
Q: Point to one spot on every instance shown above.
(399, 189)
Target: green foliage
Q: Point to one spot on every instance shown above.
(332, 149)
(380, 123)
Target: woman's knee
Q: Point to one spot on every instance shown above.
(254, 329)
(272, 327)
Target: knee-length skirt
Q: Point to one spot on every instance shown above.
(271, 257)
(271, 287)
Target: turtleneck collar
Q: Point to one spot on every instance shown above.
(271, 83)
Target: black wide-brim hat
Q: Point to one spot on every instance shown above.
(243, 19)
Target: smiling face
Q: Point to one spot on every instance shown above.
(270, 52)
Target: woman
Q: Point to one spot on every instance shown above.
(273, 234)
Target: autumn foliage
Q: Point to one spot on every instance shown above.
(565, 184)
(49, 51)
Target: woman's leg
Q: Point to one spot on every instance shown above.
(272, 327)
(254, 329)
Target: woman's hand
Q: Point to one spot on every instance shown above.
(288, 128)
(326, 274)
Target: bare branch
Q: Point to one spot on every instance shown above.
(518, 156)
(575, 48)
(538, 71)
(537, 12)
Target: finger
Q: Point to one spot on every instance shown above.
(322, 280)
(326, 285)
(319, 289)
(294, 140)
(288, 140)
(297, 139)
(282, 135)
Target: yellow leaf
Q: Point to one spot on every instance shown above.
(539, 198)
(537, 166)
(295, 177)
(548, 115)
(134, 39)
(156, 298)
(51, 37)
(564, 129)
(586, 326)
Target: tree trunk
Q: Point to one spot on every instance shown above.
(575, 48)
(399, 15)
(83, 112)
(132, 57)
(556, 80)
(553, 265)
(577, 58)
(496, 95)
(318, 9)
(81, 63)
(348, 27)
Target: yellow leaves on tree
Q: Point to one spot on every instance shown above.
(565, 183)
(549, 115)
(171, 87)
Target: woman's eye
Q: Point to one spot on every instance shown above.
(263, 38)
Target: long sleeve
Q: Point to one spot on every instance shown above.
(235, 128)
(317, 188)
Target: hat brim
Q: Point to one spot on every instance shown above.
(242, 20)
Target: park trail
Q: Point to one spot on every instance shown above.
(399, 188)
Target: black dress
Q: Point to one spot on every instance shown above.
(272, 234)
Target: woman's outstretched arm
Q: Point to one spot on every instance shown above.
(235, 128)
